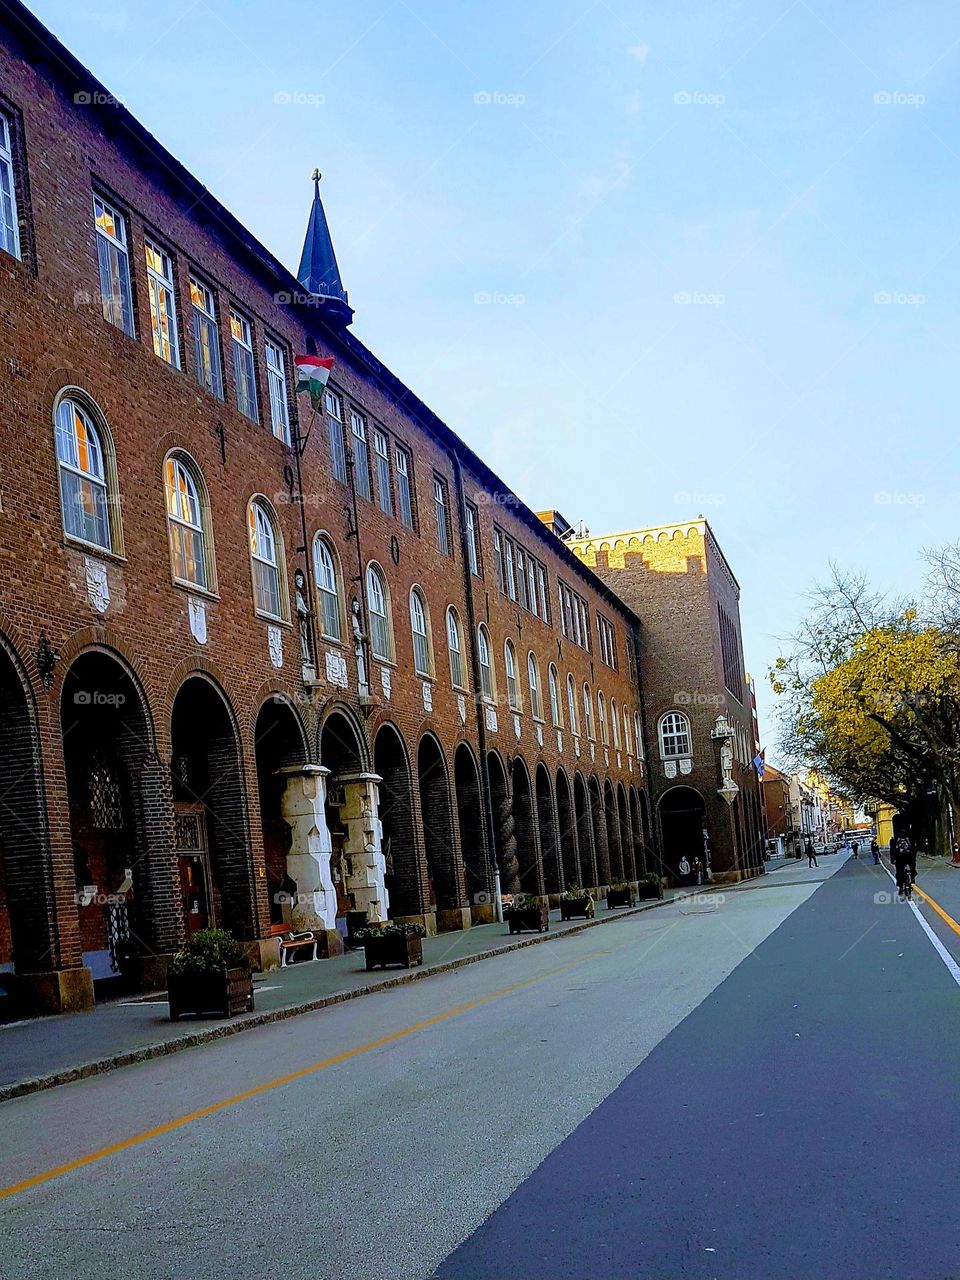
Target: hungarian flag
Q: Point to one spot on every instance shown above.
(312, 375)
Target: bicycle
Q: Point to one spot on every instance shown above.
(906, 885)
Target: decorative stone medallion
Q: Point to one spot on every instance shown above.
(490, 719)
(427, 688)
(539, 735)
(670, 768)
(517, 726)
(386, 682)
(686, 766)
(559, 740)
(462, 708)
(275, 645)
(336, 665)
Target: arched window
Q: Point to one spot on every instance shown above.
(638, 734)
(186, 516)
(614, 725)
(572, 716)
(84, 486)
(510, 667)
(675, 735)
(486, 667)
(377, 607)
(266, 559)
(455, 645)
(627, 738)
(422, 658)
(556, 719)
(602, 716)
(328, 589)
(533, 679)
(588, 712)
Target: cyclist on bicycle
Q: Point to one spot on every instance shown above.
(903, 856)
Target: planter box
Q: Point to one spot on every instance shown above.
(393, 949)
(224, 994)
(536, 919)
(572, 907)
(647, 889)
(620, 898)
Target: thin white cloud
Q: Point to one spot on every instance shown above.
(638, 52)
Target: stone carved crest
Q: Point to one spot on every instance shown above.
(98, 588)
(197, 615)
(462, 708)
(336, 665)
(539, 735)
(427, 695)
(490, 719)
(386, 682)
(275, 645)
(516, 725)
(670, 768)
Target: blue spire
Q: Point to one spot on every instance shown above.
(319, 273)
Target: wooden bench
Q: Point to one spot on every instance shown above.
(293, 944)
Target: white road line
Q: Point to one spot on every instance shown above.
(952, 966)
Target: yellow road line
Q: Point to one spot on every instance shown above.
(269, 1085)
(938, 909)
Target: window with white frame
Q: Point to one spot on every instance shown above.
(84, 490)
(241, 336)
(486, 668)
(333, 412)
(608, 641)
(510, 670)
(206, 338)
(638, 734)
(572, 715)
(602, 716)
(441, 508)
(265, 560)
(588, 712)
(163, 307)
(185, 522)
(404, 489)
(556, 718)
(675, 735)
(533, 679)
(381, 449)
(421, 633)
(520, 575)
(9, 222)
(377, 607)
(327, 579)
(472, 521)
(455, 645)
(574, 616)
(627, 736)
(113, 259)
(361, 454)
(614, 725)
(277, 390)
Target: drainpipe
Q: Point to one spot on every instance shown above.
(488, 835)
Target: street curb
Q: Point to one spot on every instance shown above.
(247, 1022)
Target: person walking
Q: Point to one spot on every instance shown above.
(684, 869)
(875, 850)
(811, 853)
(697, 871)
(856, 849)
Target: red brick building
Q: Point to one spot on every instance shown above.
(260, 666)
(698, 705)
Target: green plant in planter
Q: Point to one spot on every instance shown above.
(392, 929)
(525, 902)
(574, 894)
(209, 951)
(620, 887)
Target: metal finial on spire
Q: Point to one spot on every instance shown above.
(316, 175)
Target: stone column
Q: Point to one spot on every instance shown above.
(507, 840)
(360, 815)
(308, 862)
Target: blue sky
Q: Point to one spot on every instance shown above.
(720, 242)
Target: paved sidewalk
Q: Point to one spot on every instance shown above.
(44, 1052)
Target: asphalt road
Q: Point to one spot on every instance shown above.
(761, 1086)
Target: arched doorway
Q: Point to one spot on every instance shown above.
(547, 825)
(566, 819)
(27, 933)
(398, 824)
(626, 834)
(280, 750)
(120, 806)
(352, 814)
(588, 861)
(438, 835)
(505, 828)
(612, 819)
(211, 834)
(531, 880)
(682, 823)
(599, 825)
(466, 781)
